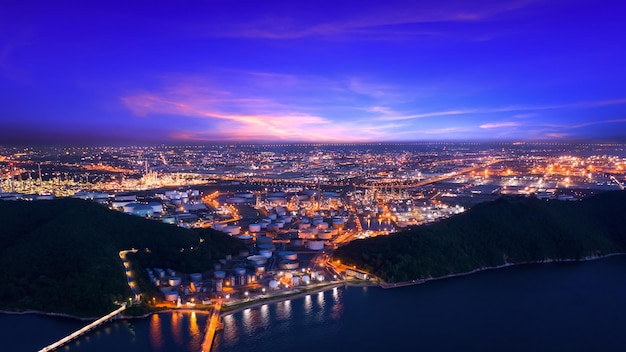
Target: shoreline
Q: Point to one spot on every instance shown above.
(253, 304)
(277, 299)
(387, 285)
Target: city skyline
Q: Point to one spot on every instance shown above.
(318, 72)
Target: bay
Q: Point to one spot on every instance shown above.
(575, 306)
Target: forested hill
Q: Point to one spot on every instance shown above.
(62, 255)
(508, 230)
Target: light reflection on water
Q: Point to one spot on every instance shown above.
(156, 338)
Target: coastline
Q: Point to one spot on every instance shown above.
(254, 303)
(277, 299)
(387, 285)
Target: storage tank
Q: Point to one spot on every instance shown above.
(254, 227)
(174, 281)
(322, 226)
(315, 245)
(272, 216)
(232, 230)
(265, 253)
(288, 255)
(306, 279)
(267, 246)
(303, 225)
(218, 226)
(171, 296)
(195, 277)
(273, 284)
(259, 269)
(257, 259)
(295, 281)
(324, 235)
(296, 242)
(289, 264)
(263, 239)
(272, 227)
(218, 285)
(239, 271)
(219, 274)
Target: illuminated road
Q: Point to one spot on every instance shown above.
(83, 330)
(213, 325)
(133, 286)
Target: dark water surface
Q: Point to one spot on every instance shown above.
(542, 307)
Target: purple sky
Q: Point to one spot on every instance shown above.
(337, 71)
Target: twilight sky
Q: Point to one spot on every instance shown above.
(312, 71)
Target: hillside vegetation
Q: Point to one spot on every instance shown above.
(508, 230)
(62, 255)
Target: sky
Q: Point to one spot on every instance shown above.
(312, 71)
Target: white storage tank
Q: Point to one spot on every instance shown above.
(295, 281)
(239, 271)
(171, 296)
(289, 264)
(322, 226)
(265, 253)
(195, 277)
(263, 239)
(272, 216)
(306, 279)
(288, 255)
(303, 225)
(174, 281)
(254, 227)
(257, 259)
(219, 274)
(218, 226)
(232, 230)
(315, 245)
(273, 284)
(324, 235)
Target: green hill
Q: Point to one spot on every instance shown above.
(62, 255)
(508, 230)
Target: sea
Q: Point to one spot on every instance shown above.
(567, 306)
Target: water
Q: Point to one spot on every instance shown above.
(564, 306)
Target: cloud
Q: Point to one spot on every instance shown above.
(369, 21)
(499, 125)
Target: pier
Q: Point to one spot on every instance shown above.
(213, 325)
(83, 330)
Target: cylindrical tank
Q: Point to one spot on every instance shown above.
(315, 245)
(266, 246)
(296, 242)
(288, 255)
(171, 296)
(219, 274)
(272, 216)
(303, 226)
(265, 253)
(280, 224)
(174, 281)
(263, 239)
(218, 226)
(257, 259)
(324, 235)
(239, 271)
(273, 284)
(259, 269)
(232, 230)
(165, 288)
(254, 227)
(241, 280)
(218, 285)
(272, 227)
(322, 226)
(306, 279)
(195, 277)
(289, 264)
(314, 275)
(295, 281)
